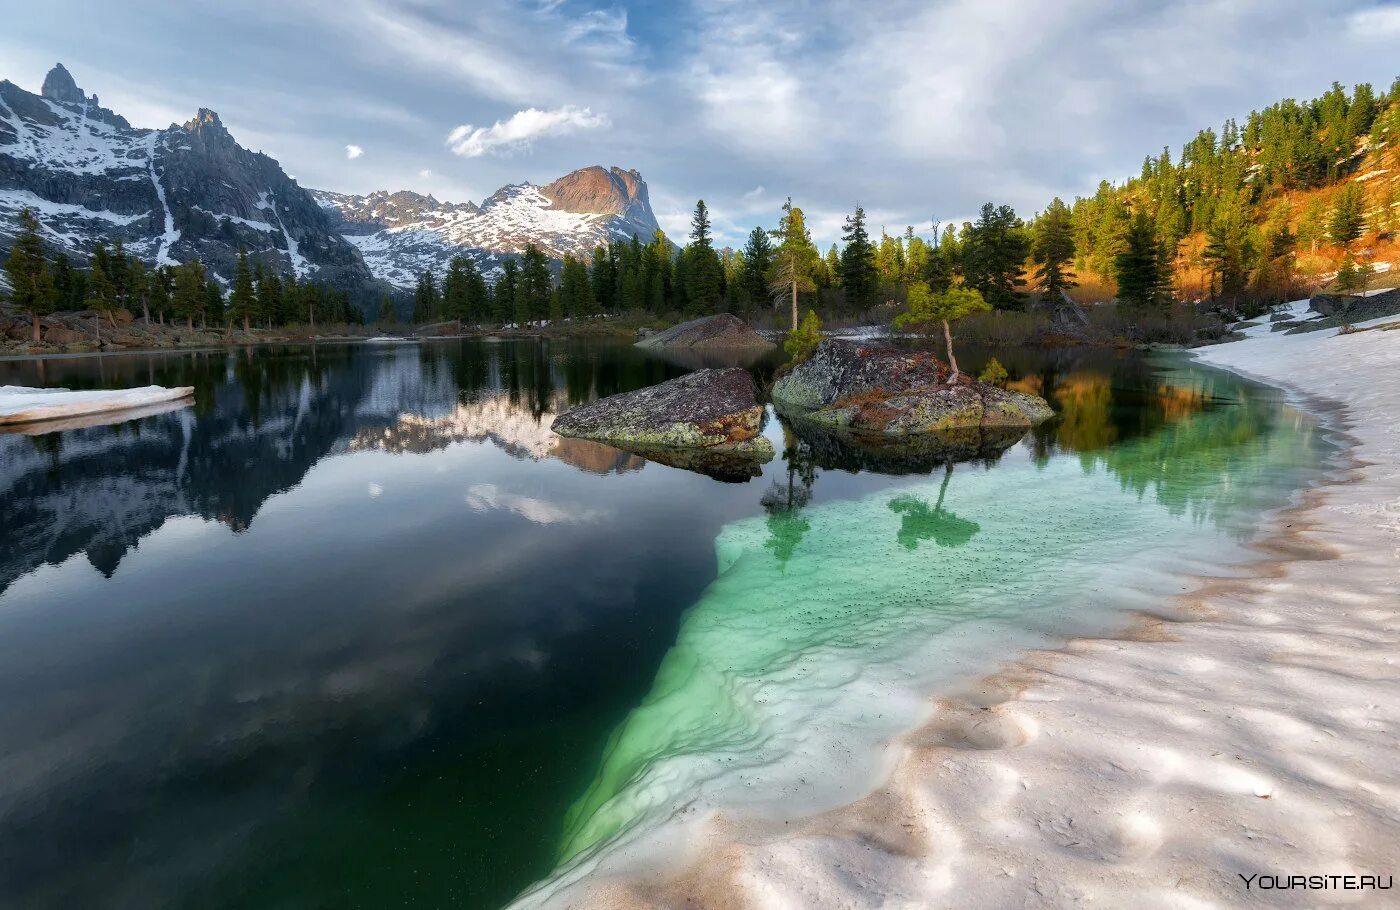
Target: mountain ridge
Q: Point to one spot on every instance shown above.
(192, 191)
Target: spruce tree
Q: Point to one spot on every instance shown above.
(758, 261)
(703, 285)
(532, 293)
(1053, 251)
(1348, 218)
(994, 256)
(858, 271)
(503, 292)
(1139, 268)
(31, 286)
(243, 302)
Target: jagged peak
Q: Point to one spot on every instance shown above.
(59, 85)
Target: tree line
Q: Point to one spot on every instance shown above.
(169, 294)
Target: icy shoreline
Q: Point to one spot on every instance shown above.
(24, 405)
(1155, 768)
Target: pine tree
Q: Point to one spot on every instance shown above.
(189, 291)
(31, 285)
(575, 291)
(386, 309)
(703, 285)
(794, 260)
(456, 303)
(1053, 251)
(101, 297)
(927, 309)
(858, 275)
(243, 302)
(758, 260)
(426, 299)
(532, 293)
(1348, 218)
(503, 292)
(994, 255)
(1139, 269)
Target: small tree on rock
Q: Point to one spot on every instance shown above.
(927, 309)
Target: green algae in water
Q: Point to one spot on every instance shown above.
(813, 645)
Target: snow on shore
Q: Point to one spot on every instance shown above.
(1179, 765)
(20, 404)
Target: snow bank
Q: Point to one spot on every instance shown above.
(1161, 768)
(20, 404)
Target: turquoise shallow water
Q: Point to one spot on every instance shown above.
(357, 630)
(827, 625)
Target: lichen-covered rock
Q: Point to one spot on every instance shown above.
(708, 409)
(889, 391)
(722, 331)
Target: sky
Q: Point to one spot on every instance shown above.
(915, 109)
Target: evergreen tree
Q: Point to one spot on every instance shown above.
(243, 302)
(994, 255)
(603, 277)
(533, 291)
(794, 260)
(188, 299)
(858, 275)
(426, 299)
(1053, 251)
(386, 309)
(575, 291)
(503, 292)
(803, 340)
(1348, 218)
(1139, 269)
(703, 285)
(101, 297)
(456, 296)
(31, 286)
(1229, 253)
(758, 261)
(927, 309)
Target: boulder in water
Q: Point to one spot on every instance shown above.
(875, 389)
(712, 410)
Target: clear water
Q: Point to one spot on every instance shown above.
(356, 629)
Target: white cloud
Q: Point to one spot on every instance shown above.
(353, 151)
(1375, 24)
(425, 173)
(521, 130)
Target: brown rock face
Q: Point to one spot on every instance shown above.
(593, 189)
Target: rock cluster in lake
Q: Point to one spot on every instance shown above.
(701, 417)
(722, 331)
(893, 392)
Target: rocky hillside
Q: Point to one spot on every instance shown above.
(403, 234)
(186, 191)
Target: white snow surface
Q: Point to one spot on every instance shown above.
(22, 404)
(1155, 770)
(510, 218)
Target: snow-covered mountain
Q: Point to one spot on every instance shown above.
(403, 234)
(185, 191)
(190, 190)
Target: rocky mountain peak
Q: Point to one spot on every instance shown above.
(59, 85)
(598, 190)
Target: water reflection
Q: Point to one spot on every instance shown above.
(361, 625)
(919, 522)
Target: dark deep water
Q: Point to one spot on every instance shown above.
(354, 629)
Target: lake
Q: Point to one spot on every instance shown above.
(356, 628)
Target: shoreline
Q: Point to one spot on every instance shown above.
(1153, 766)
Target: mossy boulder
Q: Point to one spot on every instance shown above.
(713, 410)
(876, 389)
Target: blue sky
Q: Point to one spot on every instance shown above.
(917, 109)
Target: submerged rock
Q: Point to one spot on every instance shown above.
(722, 331)
(899, 455)
(889, 391)
(716, 411)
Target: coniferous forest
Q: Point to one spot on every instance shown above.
(1257, 212)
